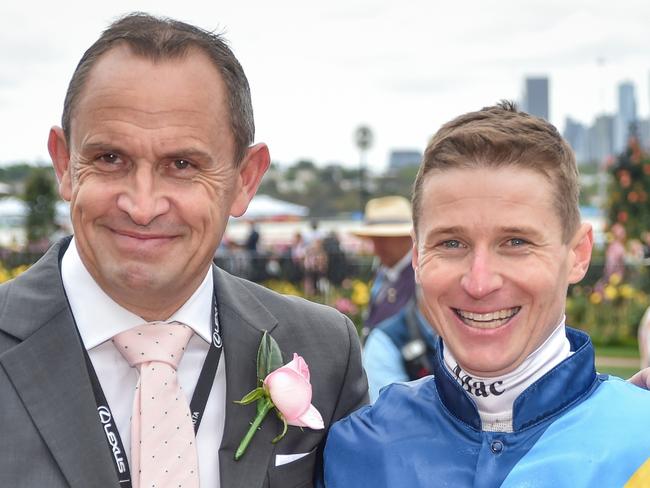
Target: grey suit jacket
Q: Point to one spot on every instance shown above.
(50, 435)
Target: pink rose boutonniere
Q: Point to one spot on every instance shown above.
(284, 388)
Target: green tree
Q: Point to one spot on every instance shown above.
(629, 189)
(15, 173)
(41, 197)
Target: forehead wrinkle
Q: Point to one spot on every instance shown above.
(119, 134)
(147, 118)
(484, 208)
(521, 197)
(120, 96)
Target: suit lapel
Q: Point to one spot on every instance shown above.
(244, 319)
(49, 374)
(55, 390)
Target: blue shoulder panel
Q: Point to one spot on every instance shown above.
(591, 445)
(409, 439)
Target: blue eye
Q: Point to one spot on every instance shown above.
(516, 242)
(452, 244)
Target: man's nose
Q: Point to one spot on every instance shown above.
(143, 199)
(483, 276)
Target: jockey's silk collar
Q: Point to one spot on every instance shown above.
(495, 396)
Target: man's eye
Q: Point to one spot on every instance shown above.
(181, 164)
(516, 242)
(110, 158)
(451, 244)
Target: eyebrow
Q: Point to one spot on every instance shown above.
(521, 231)
(454, 230)
(188, 153)
(99, 146)
(451, 230)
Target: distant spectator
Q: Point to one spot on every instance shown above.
(401, 348)
(388, 224)
(313, 233)
(296, 255)
(615, 253)
(298, 249)
(315, 265)
(253, 239)
(240, 262)
(336, 259)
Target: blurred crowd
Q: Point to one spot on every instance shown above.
(313, 260)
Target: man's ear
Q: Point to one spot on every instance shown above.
(60, 155)
(581, 246)
(249, 176)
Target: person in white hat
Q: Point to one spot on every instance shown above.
(388, 224)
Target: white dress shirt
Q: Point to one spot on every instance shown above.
(99, 318)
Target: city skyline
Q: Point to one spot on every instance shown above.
(319, 72)
(608, 134)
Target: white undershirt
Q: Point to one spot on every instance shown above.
(495, 396)
(99, 318)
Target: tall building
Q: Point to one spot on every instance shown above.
(626, 117)
(601, 138)
(576, 134)
(535, 100)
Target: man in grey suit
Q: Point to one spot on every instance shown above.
(154, 154)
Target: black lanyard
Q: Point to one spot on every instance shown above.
(197, 404)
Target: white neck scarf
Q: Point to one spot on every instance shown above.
(495, 396)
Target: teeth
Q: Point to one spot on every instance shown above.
(490, 320)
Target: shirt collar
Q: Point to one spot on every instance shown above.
(392, 273)
(495, 396)
(568, 381)
(99, 317)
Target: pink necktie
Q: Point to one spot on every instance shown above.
(163, 445)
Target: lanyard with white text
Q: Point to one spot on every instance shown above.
(197, 404)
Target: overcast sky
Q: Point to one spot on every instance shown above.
(318, 70)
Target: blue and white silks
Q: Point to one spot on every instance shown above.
(572, 428)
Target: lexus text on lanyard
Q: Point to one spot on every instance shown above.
(197, 404)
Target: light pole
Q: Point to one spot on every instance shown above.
(363, 137)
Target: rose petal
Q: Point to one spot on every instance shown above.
(299, 365)
(311, 418)
(289, 391)
(302, 367)
(293, 364)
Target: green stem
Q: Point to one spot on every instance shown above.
(261, 413)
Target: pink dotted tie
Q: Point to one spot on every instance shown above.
(163, 445)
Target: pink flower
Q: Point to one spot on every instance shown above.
(290, 392)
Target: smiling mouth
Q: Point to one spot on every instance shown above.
(490, 320)
(141, 236)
